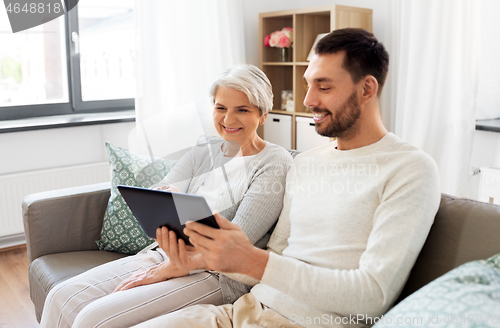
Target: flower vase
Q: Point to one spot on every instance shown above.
(285, 55)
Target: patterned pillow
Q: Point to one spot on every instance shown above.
(467, 296)
(120, 230)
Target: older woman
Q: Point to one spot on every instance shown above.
(238, 173)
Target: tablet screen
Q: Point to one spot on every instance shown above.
(158, 208)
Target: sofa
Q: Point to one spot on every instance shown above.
(62, 226)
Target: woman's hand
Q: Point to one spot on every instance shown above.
(180, 255)
(168, 188)
(158, 273)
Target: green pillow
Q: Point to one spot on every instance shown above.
(120, 230)
(467, 296)
(494, 261)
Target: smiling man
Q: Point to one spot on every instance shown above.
(356, 212)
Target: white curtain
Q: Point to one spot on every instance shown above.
(180, 47)
(433, 81)
(488, 104)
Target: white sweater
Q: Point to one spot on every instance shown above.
(352, 226)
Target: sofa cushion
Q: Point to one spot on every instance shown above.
(464, 230)
(467, 296)
(48, 270)
(120, 230)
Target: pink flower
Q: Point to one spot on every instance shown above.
(288, 33)
(275, 36)
(282, 38)
(266, 40)
(284, 42)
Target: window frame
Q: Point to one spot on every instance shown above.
(75, 104)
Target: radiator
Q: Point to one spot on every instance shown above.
(14, 187)
(489, 185)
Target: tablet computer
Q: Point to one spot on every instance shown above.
(158, 208)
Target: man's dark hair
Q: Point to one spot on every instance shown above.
(364, 54)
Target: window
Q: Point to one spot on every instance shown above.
(80, 62)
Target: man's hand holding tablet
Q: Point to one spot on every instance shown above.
(227, 249)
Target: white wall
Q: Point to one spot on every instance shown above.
(51, 148)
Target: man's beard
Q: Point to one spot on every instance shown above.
(343, 120)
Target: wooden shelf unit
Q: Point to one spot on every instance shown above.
(306, 24)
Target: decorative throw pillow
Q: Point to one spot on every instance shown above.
(467, 296)
(120, 230)
(494, 261)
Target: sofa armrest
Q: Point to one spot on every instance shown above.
(64, 220)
